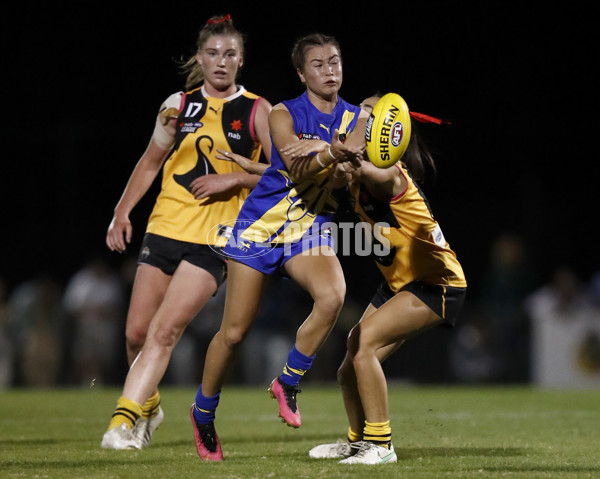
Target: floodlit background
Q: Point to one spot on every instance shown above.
(515, 192)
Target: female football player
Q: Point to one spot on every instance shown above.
(179, 265)
(281, 227)
(424, 287)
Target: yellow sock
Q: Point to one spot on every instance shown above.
(150, 407)
(352, 436)
(378, 432)
(127, 412)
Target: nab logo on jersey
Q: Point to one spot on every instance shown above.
(236, 126)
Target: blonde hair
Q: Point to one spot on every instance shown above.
(217, 25)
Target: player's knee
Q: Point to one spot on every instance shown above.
(345, 373)
(331, 299)
(167, 336)
(365, 352)
(353, 341)
(233, 337)
(135, 338)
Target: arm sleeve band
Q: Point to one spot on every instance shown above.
(164, 128)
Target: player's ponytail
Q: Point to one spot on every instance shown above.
(418, 158)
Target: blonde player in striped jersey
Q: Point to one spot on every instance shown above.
(424, 287)
(180, 265)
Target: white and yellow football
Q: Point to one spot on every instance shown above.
(388, 130)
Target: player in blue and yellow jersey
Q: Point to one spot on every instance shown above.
(424, 286)
(283, 226)
(180, 265)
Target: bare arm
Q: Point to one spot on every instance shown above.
(246, 164)
(305, 158)
(261, 126)
(381, 182)
(214, 183)
(120, 230)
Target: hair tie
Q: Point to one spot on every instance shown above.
(421, 117)
(220, 20)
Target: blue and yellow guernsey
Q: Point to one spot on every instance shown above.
(281, 209)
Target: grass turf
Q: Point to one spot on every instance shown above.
(437, 432)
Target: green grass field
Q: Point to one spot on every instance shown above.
(438, 432)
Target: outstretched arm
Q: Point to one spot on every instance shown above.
(246, 164)
(120, 230)
(381, 182)
(305, 158)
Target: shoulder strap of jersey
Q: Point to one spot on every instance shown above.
(182, 103)
(252, 115)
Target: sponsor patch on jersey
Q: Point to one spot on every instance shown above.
(438, 236)
(224, 231)
(308, 136)
(191, 126)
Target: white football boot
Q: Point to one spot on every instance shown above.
(120, 437)
(339, 450)
(144, 428)
(372, 454)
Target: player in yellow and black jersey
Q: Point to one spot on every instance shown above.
(180, 266)
(424, 286)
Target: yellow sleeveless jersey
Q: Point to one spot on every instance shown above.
(417, 247)
(203, 125)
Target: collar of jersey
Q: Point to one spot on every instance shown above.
(238, 93)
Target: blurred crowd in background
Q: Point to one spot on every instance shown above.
(516, 329)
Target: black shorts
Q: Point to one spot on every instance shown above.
(166, 254)
(445, 301)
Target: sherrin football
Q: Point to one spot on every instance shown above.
(387, 130)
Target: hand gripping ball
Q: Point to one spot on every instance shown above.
(387, 130)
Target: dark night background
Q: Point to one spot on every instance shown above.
(85, 83)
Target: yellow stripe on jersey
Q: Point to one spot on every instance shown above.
(295, 212)
(444, 302)
(346, 120)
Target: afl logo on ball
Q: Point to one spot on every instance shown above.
(396, 134)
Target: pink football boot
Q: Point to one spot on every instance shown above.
(207, 441)
(288, 406)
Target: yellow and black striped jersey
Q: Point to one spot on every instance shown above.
(416, 244)
(203, 125)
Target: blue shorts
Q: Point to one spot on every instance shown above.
(269, 258)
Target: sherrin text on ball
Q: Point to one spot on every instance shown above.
(387, 130)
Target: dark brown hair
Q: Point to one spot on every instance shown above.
(309, 41)
(418, 158)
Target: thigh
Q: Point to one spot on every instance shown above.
(189, 290)
(149, 288)
(244, 291)
(318, 271)
(400, 318)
